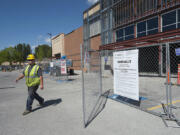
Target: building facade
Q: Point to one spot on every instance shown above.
(73, 42)
(92, 28)
(121, 20)
(133, 23)
(69, 45)
(58, 46)
(92, 34)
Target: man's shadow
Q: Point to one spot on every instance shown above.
(48, 103)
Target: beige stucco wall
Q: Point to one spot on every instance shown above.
(85, 15)
(91, 11)
(94, 10)
(58, 45)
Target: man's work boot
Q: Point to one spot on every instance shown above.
(26, 112)
(41, 103)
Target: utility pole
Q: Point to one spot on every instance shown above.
(50, 35)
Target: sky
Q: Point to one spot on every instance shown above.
(29, 21)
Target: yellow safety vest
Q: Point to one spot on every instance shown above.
(32, 79)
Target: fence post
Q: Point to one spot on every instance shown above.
(100, 74)
(167, 77)
(160, 61)
(83, 93)
(170, 83)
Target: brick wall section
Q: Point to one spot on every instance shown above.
(72, 42)
(95, 62)
(95, 42)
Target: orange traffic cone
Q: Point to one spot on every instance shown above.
(178, 79)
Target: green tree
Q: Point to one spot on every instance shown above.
(2, 57)
(43, 51)
(10, 54)
(22, 51)
(15, 54)
(7, 55)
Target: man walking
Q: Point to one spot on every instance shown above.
(34, 78)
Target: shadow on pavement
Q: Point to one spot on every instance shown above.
(127, 100)
(99, 106)
(7, 87)
(49, 103)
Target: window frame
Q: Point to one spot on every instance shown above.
(176, 23)
(147, 30)
(124, 36)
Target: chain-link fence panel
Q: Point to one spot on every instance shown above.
(45, 67)
(174, 79)
(57, 75)
(157, 79)
(152, 88)
(107, 70)
(93, 98)
(56, 71)
(76, 61)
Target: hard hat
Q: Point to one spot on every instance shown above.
(30, 57)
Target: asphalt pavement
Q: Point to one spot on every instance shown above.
(63, 115)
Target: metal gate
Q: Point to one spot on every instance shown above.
(157, 65)
(172, 111)
(93, 98)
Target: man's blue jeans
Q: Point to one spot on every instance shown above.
(31, 96)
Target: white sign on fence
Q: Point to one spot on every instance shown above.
(63, 67)
(51, 64)
(126, 77)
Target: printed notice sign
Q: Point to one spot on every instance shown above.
(126, 77)
(63, 67)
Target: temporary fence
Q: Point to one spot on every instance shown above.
(93, 98)
(45, 66)
(156, 81)
(56, 70)
(76, 60)
(63, 69)
(5, 68)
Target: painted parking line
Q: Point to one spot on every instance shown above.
(160, 106)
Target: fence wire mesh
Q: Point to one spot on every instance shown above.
(175, 87)
(152, 90)
(93, 98)
(157, 78)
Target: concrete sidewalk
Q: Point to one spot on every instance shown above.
(63, 112)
